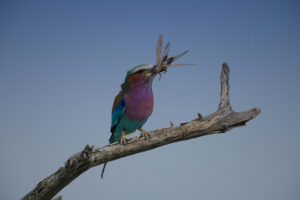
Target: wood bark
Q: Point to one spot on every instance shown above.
(220, 121)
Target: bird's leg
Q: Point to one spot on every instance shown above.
(145, 133)
(123, 138)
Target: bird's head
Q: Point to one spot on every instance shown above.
(144, 71)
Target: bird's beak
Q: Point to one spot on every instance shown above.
(157, 69)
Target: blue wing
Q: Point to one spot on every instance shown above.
(117, 111)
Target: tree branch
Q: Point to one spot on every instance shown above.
(220, 121)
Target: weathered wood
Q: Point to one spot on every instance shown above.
(221, 121)
(57, 198)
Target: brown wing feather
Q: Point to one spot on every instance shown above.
(117, 101)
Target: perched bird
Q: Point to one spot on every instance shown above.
(134, 103)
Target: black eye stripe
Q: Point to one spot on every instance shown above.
(141, 71)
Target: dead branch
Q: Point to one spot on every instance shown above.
(220, 121)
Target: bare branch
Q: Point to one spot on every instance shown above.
(225, 101)
(221, 121)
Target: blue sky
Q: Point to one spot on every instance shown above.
(62, 63)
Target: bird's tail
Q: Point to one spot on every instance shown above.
(102, 173)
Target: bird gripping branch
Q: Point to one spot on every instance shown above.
(134, 103)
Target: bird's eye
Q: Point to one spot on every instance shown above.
(141, 71)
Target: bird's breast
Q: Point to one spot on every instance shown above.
(139, 103)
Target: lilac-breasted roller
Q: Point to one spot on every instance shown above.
(134, 103)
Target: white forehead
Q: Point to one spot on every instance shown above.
(140, 67)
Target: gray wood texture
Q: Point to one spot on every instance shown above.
(220, 121)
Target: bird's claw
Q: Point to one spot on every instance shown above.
(145, 134)
(124, 140)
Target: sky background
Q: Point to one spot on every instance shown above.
(62, 63)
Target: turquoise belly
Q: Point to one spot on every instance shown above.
(126, 124)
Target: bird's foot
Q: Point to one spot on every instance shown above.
(124, 140)
(144, 133)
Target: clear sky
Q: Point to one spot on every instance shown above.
(62, 63)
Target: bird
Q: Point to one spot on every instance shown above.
(134, 103)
